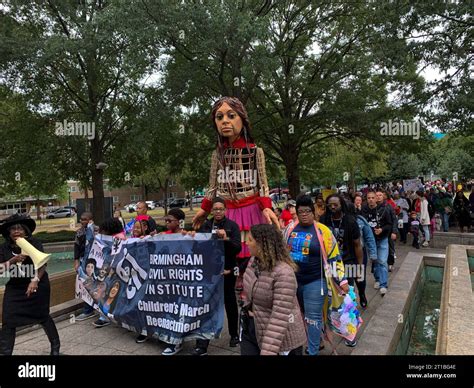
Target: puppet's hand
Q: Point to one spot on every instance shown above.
(199, 218)
(271, 217)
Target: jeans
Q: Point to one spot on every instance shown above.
(445, 219)
(426, 230)
(380, 265)
(311, 300)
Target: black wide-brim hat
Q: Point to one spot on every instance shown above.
(14, 220)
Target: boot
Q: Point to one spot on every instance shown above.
(53, 336)
(363, 300)
(7, 341)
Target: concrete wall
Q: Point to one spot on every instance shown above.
(62, 288)
(62, 284)
(389, 330)
(455, 329)
(443, 239)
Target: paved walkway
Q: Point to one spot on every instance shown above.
(82, 338)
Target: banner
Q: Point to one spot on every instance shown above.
(167, 286)
(412, 185)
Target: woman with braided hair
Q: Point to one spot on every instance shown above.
(237, 175)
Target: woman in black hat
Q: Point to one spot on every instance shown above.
(27, 293)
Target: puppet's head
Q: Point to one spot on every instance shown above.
(231, 120)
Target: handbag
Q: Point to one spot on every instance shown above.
(343, 317)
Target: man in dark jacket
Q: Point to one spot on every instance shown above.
(382, 200)
(380, 220)
(227, 230)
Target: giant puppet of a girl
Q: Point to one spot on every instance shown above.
(237, 175)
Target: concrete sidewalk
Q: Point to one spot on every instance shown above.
(82, 338)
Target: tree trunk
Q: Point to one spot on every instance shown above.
(38, 211)
(166, 196)
(97, 183)
(190, 195)
(86, 191)
(143, 190)
(292, 173)
(98, 195)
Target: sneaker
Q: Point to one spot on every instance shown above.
(383, 291)
(199, 352)
(351, 344)
(425, 244)
(141, 338)
(390, 268)
(376, 285)
(83, 317)
(101, 323)
(172, 350)
(234, 341)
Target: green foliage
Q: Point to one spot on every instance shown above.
(318, 79)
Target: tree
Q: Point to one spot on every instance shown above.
(24, 137)
(440, 35)
(449, 156)
(73, 62)
(336, 162)
(306, 70)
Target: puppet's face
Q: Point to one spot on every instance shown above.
(228, 122)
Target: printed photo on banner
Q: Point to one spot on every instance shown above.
(170, 287)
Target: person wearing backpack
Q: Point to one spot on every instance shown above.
(369, 249)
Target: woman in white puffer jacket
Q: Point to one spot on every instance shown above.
(425, 219)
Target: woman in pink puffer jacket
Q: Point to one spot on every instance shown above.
(271, 321)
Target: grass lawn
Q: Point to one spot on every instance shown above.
(69, 224)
